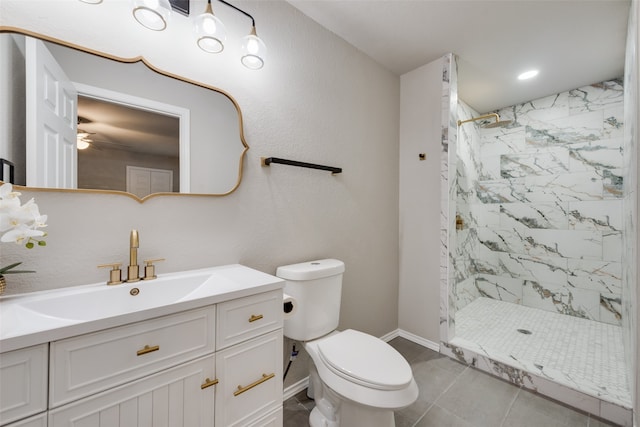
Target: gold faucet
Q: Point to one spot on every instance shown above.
(133, 269)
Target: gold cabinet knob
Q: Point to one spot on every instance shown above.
(256, 383)
(147, 349)
(208, 383)
(255, 317)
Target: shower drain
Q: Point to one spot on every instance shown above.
(524, 331)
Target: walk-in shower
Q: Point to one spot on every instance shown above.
(534, 238)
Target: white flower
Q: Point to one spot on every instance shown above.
(6, 191)
(19, 223)
(21, 234)
(9, 199)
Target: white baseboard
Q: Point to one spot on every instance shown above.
(419, 340)
(391, 335)
(411, 337)
(295, 388)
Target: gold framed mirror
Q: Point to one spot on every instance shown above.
(148, 132)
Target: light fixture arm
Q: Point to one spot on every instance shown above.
(253, 48)
(253, 21)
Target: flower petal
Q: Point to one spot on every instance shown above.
(20, 234)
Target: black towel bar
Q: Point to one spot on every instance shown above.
(266, 161)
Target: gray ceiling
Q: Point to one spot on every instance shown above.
(113, 126)
(572, 42)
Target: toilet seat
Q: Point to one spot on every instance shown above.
(365, 360)
(360, 391)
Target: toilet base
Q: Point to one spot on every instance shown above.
(333, 410)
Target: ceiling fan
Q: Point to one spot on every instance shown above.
(83, 139)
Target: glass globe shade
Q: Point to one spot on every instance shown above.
(153, 14)
(254, 52)
(210, 33)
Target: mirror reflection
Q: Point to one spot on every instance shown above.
(119, 125)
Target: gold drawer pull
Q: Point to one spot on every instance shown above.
(254, 317)
(208, 383)
(148, 349)
(264, 378)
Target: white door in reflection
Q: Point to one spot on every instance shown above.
(51, 101)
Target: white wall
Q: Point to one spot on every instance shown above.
(318, 99)
(420, 112)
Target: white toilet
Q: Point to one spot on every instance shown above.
(356, 379)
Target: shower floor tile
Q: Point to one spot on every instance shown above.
(585, 355)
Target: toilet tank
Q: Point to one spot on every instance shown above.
(316, 287)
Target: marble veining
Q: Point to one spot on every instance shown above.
(449, 102)
(542, 205)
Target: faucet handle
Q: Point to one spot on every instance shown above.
(115, 275)
(150, 269)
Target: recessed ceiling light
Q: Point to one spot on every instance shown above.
(528, 75)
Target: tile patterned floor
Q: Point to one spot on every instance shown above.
(455, 395)
(579, 353)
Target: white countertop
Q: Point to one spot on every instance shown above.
(22, 325)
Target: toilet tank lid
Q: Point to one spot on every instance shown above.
(311, 269)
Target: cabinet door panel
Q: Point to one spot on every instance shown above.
(273, 419)
(250, 376)
(23, 383)
(172, 398)
(37, 421)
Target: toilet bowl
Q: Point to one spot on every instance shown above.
(356, 379)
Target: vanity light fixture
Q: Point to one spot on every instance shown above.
(209, 29)
(153, 14)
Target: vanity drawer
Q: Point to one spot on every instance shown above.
(250, 377)
(94, 362)
(23, 383)
(244, 318)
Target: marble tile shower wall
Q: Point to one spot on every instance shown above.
(448, 144)
(630, 196)
(541, 202)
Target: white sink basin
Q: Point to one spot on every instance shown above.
(108, 301)
(30, 319)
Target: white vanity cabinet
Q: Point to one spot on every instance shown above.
(249, 359)
(219, 365)
(23, 383)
